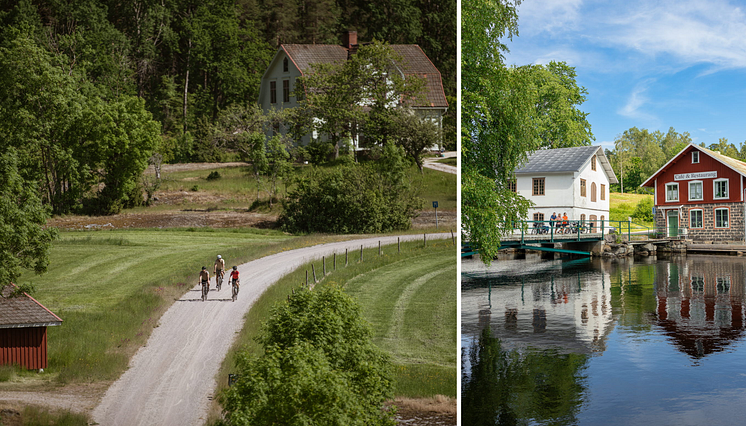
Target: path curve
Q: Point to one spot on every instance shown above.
(432, 163)
(171, 379)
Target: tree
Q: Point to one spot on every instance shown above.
(560, 122)
(498, 131)
(319, 367)
(24, 237)
(415, 135)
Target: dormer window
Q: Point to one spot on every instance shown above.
(695, 157)
(285, 65)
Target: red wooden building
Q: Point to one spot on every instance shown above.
(23, 330)
(701, 191)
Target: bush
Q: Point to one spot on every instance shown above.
(319, 367)
(644, 210)
(319, 152)
(349, 199)
(214, 175)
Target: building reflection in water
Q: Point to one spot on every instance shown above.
(700, 303)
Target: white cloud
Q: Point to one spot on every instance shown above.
(635, 102)
(535, 16)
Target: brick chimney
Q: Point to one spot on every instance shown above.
(349, 39)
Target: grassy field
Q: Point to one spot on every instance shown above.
(410, 300)
(237, 189)
(111, 287)
(622, 206)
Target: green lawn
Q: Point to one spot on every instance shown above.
(111, 287)
(416, 302)
(622, 206)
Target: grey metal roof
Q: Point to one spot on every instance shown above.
(565, 160)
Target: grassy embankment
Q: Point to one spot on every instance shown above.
(622, 206)
(410, 300)
(236, 188)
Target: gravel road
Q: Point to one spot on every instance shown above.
(171, 379)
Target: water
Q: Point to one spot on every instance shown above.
(599, 342)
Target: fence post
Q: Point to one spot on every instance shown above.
(379, 247)
(424, 238)
(398, 245)
(345, 257)
(323, 265)
(313, 268)
(335, 261)
(306, 277)
(361, 252)
(453, 239)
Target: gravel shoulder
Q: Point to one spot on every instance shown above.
(172, 378)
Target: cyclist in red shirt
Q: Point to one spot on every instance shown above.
(234, 282)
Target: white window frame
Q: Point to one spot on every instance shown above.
(715, 218)
(702, 217)
(695, 157)
(689, 186)
(715, 186)
(668, 200)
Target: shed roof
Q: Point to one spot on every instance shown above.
(565, 160)
(737, 165)
(414, 62)
(23, 311)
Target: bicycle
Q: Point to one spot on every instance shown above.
(205, 289)
(218, 280)
(235, 283)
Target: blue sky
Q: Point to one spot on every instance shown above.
(646, 64)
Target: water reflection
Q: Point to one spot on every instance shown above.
(634, 340)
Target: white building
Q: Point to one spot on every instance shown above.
(293, 60)
(567, 180)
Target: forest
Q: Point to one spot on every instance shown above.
(91, 89)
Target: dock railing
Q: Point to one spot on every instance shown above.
(579, 227)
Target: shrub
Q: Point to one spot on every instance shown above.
(319, 367)
(644, 210)
(214, 175)
(194, 188)
(319, 152)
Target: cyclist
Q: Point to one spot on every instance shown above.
(218, 268)
(204, 277)
(234, 281)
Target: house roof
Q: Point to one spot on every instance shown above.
(23, 311)
(566, 160)
(737, 166)
(414, 62)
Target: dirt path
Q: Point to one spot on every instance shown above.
(172, 378)
(432, 163)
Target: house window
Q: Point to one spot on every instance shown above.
(286, 90)
(582, 218)
(539, 216)
(721, 218)
(593, 163)
(273, 92)
(672, 192)
(582, 187)
(512, 186)
(538, 186)
(603, 192)
(695, 190)
(695, 157)
(695, 218)
(721, 188)
(593, 192)
(285, 65)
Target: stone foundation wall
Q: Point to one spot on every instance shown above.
(734, 232)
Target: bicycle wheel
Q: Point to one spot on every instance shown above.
(205, 289)
(218, 281)
(235, 293)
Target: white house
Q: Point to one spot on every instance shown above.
(293, 60)
(567, 180)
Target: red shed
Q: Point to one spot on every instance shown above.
(700, 193)
(23, 329)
